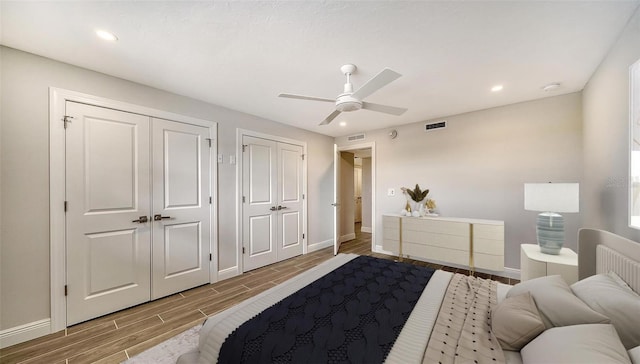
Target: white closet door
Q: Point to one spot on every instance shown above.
(260, 201)
(107, 193)
(181, 210)
(289, 209)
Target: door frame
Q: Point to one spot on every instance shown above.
(57, 219)
(240, 133)
(372, 146)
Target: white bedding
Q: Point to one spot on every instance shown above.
(408, 348)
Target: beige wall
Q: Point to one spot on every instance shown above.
(24, 166)
(347, 190)
(477, 166)
(606, 137)
(366, 193)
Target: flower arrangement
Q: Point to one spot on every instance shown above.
(418, 197)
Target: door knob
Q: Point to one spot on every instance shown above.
(159, 217)
(141, 219)
(273, 208)
(282, 207)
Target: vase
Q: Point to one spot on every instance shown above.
(416, 206)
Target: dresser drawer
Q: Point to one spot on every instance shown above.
(436, 226)
(492, 232)
(436, 239)
(436, 253)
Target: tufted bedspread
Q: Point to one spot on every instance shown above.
(353, 314)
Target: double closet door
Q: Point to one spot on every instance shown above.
(272, 207)
(138, 212)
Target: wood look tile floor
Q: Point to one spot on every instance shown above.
(116, 337)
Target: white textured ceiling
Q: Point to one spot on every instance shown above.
(241, 55)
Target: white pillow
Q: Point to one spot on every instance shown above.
(619, 303)
(516, 321)
(634, 354)
(579, 344)
(558, 306)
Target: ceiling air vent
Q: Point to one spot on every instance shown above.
(436, 125)
(352, 138)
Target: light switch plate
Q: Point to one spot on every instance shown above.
(232, 159)
(391, 192)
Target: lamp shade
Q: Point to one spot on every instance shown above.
(552, 197)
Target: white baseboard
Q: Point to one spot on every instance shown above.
(347, 237)
(228, 273)
(366, 229)
(321, 245)
(26, 332)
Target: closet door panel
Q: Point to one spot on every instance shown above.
(260, 201)
(107, 193)
(181, 211)
(290, 202)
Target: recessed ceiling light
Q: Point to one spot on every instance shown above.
(103, 34)
(343, 123)
(497, 88)
(551, 87)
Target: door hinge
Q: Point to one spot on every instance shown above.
(242, 250)
(65, 206)
(209, 140)
(243, 147)
(210, 257)
(242, 199)
(210, 200)
(302, 156)
(303, 196)
(303, 235)
(66, 119)
(66, 290)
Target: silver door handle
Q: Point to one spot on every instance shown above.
(141, 219)
(159, 217)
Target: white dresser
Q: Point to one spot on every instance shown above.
(473, 242)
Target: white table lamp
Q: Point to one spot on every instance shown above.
(550, 199)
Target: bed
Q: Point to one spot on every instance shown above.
(455, 318)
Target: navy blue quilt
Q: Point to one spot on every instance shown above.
(351, 315)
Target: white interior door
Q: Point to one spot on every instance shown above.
(108, 208)
(336, 200)
(260, 201)
(289, 210)
(181, 210)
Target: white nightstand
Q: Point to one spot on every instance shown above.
(534, 264)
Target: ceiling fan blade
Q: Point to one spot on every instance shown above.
(330, 118)
(384, 108)
(378, 81)
(302, 97)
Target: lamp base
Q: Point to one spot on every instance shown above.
(550, 232)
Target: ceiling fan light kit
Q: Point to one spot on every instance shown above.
(352, 101)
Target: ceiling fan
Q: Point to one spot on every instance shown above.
(352, 101)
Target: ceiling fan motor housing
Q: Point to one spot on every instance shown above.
(346, 102)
